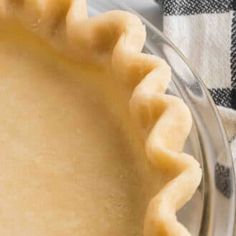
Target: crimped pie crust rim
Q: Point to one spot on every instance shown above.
(165, 120)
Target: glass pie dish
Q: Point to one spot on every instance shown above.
(212, 209)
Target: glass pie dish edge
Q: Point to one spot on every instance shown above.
(211, 212)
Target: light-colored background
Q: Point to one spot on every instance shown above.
(149, 9)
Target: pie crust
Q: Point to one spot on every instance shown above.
(88, 137)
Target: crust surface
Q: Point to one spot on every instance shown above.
(110, 46)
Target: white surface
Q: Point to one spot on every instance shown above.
(149, 9)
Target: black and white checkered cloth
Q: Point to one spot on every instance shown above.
(205, 32)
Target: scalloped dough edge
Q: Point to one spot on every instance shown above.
(117, 38)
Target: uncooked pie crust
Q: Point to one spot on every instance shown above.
(89, 142)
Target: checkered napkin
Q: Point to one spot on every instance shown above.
(205, 32)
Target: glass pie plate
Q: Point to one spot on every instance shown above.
(211, 211)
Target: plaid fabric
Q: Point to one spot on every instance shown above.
(191, 13)
(191, 7)
(205, 31)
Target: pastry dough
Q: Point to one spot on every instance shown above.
(90, 145)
